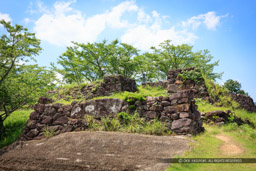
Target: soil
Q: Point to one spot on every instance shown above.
(95, 151)
(229, 147)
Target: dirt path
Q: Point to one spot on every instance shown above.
(229, 147)
(95, 151)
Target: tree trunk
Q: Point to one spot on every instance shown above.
(2, 130)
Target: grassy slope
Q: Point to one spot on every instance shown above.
(14, 124)
(142, 91)
(206, 145)
(204, 106)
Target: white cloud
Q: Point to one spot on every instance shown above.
(60, 28)
(5, 17)
(114, 17)
(210, 20)
(143, 37)
(26, 20)
(143, 17)
(66, 24)
(38, 7)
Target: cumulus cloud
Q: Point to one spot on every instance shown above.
(113, 17)
(144, 37)
(64, 24)
(26, 20)
(210, 20)
(5, 17)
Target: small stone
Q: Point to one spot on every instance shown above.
(56, 116)
(32, 133)
(57, 105)
(156, 108)
(45, 100)
(46, 120)
(39, 108)
(183, 100)
(67, 107)
(182, 107)
(34, 116)
(61, 121)
(150, 114)
(174, 116)
(31, 124)
(165, 103)
(184, 122)
(60, 110)
(184, 115)
(170, 109)
(40, 126)
(163, 118)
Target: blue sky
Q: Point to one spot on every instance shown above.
(225, 28)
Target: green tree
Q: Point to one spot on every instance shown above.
(122, 60)
(84, 61)
(92, 61)
(202, 60)
(170, 56)
(20, 84)
(234, 86)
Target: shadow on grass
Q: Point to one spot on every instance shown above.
(13, 126)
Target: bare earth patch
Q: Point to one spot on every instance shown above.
(95, 151)
(229, 147)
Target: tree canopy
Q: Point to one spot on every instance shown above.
(20, 84)
(92, 61)
(234, 86)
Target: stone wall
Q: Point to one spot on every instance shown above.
(110, 84)
(163, 84)
(176, 84)
(219, 117)
(178, 111)
(245, 102)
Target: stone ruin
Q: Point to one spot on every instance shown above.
(219, 117)
(244, 101)
(110, 84)
(174, 84)
(178, 111)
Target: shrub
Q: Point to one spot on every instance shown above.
(156, 127)
(124, 117)
(219, 95)
(194, 75)
(110, 124)
(47, 132)
(91, 122)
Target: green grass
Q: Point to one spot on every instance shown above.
(125, 122)
(68, 102)
(206, 145)
(141, 93)
(204, 106)
(13, 125)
